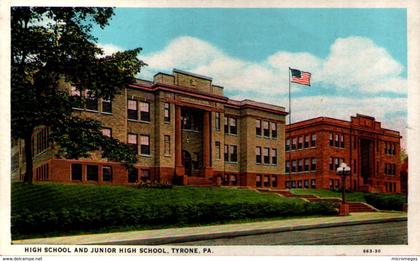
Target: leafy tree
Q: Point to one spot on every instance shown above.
(55, 45)
(403, 154)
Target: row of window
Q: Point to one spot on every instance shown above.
(91, 102)
(336, 140)
(264, 181)
(230, 153)
(134, 107)
(231, 125)
(301, 165)
(144, 143)
(390, 187)
(389, 148)
(265, 128)
(301, 142)
(265, 156)
(42, 142)
(92, 173)
(335, 163)
(335, 184)
(390, 169)
(229, 180)
(300, 183)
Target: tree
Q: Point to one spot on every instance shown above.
(403, 154)
(52, 45)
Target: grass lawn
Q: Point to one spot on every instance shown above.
(350, 196)
(47, 209)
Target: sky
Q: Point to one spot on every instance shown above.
(357, 57)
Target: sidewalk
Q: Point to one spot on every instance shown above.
(185, 234)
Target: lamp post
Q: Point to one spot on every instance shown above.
(343, 171)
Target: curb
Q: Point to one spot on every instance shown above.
(189, 238)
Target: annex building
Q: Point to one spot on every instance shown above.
(315, 148)
(184, 130)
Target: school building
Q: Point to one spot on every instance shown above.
(315, 148)
(184, 130)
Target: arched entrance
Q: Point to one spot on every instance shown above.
(187, 163)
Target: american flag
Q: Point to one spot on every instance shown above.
(300, 77)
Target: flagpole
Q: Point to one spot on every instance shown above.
(290, 138)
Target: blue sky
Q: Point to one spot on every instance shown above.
(357, 57)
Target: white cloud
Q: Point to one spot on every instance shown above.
(109, 49)
(354, 64)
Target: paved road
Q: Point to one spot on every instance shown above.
(369, 234)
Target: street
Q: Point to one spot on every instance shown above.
(369, 234)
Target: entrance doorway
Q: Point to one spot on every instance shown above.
(366, 154)
(187, 163)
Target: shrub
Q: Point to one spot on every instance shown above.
(159, 214)
(385, 201)
(154, 184)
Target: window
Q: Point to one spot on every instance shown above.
(342, 141)
(233, 149)
(300, 165)
(226, 125)
(331, 184)
(218, 121)
(331, 139)
(306, 183)
(226, 153)
(336, 161)
(274, 156)
(92, 172)
(167, 145)
(233, 128)
(313, 183)
(132, 110)
(287, 144)
(337, 184)
(76, 172)
(258, 155)
(313, 165)
(300, 143)
(274, 181)
(294, 143)
(218, 155)
(299, 183)
(91, 101)
(294, 164)
(167, 112)
(313, 141)
(145, 175)
(258, 180)
(266, 155)
(306, 142)
(354, 166)
(258, 127)
(107, 132)
(266, 129)
(144, 111)
(133, 175)
(233, 180)
(337, 142)
(306, 167)
(132, 142)
(287, 168)
(106, 106)
(273, 130)
(42, 141)
(293, 184)
(107, 174)
(331, 163)
(266, 181)
(144, 145)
